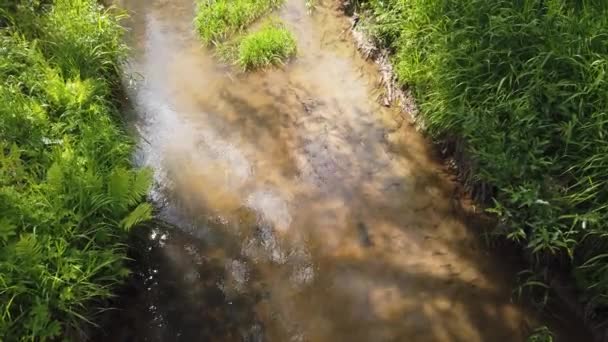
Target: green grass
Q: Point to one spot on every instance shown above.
(524, 83)
(216, 20)
(68, 192)
(272, 44)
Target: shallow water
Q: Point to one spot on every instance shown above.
(306, 211)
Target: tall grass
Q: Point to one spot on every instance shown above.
(271, 44)
(68, 194)
(216, 20)
(525, 84)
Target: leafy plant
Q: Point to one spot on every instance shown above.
(68, 192)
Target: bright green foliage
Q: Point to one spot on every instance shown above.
(217, 19)
(68, 194)
(525, 84)
(271, 44)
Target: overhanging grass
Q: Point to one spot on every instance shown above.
(68, 193)
(217, 19)
(524, 83)
(272, 44)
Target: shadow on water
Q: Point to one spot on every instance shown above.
(175, 275)
(300, 209)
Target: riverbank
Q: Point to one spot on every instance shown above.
(68, 191)
(383, 30)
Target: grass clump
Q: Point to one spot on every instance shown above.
(68, 192)
(216, 20)
(271, 45)
(524, 83)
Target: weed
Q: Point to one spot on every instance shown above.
(216, 20)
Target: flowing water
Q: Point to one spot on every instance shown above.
(305, 210)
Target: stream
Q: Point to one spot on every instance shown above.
(299, 208)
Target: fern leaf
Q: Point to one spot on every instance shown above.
(28, 248)
(140, 186)
(100, 201)
(141, 213)
(54, 176)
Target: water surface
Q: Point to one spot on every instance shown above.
(305, 210)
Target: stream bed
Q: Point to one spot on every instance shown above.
(299, 208)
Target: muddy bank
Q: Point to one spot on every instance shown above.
(452, 149)
(453, 152)
(300, 207)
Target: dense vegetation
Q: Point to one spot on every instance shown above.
(216, 20)
(525, 85)
(272, 44)
(68, 193)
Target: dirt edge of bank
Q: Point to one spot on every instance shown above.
(454, 155)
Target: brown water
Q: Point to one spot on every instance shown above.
(306, 210)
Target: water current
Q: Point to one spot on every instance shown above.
(301, 209)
